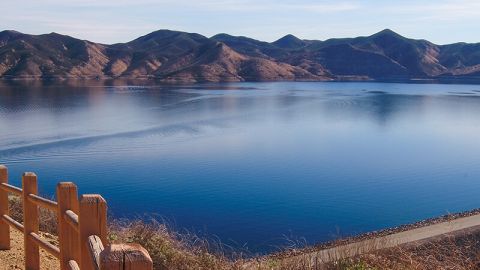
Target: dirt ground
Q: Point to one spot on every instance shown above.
(14, 259)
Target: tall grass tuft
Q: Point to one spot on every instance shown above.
(169, 249)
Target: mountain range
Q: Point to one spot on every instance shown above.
(173, 56)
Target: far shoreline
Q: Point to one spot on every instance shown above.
(160, 81)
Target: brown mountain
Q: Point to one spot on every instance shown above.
(186, 57)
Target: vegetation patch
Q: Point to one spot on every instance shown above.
(170, 249)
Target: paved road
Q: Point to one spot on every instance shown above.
(414, 235)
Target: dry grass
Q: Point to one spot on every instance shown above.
(449, 252)
(184, 251)
(171, 250)
(48, 219)
(455, 252)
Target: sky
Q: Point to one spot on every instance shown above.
(113, 21)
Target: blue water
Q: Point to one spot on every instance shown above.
(253, 164)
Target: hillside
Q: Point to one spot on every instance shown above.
(175, 56)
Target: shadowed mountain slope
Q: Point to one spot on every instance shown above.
(187, 57)
(290, 42)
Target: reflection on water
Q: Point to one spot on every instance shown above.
(252, 163)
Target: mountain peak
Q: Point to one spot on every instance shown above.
(7, 35)
(10, 33)
(289, 42)
(222, 36)
(387, 33)
(172, 39)
(168, 34)
(162, 33)
(290, 36)
(226, 38)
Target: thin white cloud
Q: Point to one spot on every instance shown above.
(438, 10)
(276, 6)
(111, 21)
(213, 5)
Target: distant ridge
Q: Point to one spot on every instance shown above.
(174, 56)
(289, 42)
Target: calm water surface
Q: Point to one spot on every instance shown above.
(253, 164)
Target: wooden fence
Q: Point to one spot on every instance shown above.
(82, 229)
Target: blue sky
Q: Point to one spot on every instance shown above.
(111, 21)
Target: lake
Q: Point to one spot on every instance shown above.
(255, 165)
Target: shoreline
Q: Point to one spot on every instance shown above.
(195, 81)
(373, 234)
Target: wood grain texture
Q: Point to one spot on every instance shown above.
(82, 237)
(11, 189)
(92, 220)
(73, 265)
(42, 202)
(72, 219)
(96, 247)
(30, 221)
(4, 227)
(67, 196)
(53, 250)
(125, 257)
(13, 223)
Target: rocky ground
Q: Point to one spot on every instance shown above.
(14, 258)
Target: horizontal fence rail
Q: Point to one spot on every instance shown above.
(55, 251)
(82, 229)
(12, 189)
(15, 224)
(72, 219)
(50, 205)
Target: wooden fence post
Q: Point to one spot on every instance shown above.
(4, 227)
(67, 197)
(30, 221)
(125, 257)
(92, 220)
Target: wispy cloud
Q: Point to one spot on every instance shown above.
(213, 5)
(120, 20)
(439, 10)
(272, 6)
